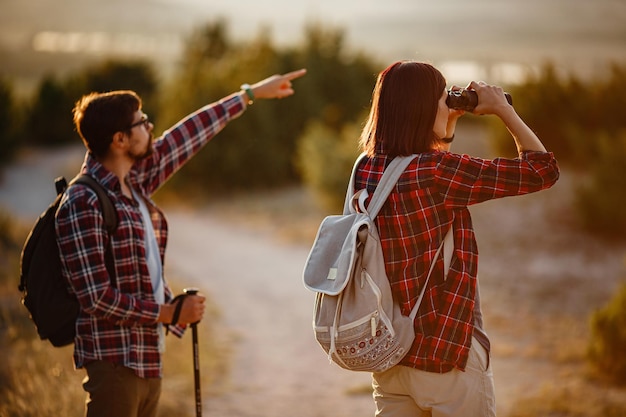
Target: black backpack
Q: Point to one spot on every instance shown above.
(44, 290)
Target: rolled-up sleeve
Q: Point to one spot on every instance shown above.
(465, 180)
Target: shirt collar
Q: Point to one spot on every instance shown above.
(95, 169)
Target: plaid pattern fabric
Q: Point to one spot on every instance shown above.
(433, 193)
(120, 325)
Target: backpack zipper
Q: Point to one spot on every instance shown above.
(379, 296)
(374, 322)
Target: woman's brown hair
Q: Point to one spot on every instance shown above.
(404, 107)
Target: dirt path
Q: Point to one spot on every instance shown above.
(278, 369)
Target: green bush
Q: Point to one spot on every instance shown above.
(48, 119)
(252, 152)
(583, 124)
(325, 159)
(109, 75)
(8, 121)
(608, 338)
(566, 113)
(258, 150)
(600, 203)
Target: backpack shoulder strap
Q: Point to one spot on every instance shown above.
(447, 244)
(109, 215)
(108, 210)
(350, 191)
(387, 182)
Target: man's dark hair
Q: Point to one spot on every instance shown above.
(404, 108)
(98, 116)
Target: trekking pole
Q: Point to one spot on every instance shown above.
(196, 358)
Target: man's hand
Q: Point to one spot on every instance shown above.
(276, 86)
(193, 309)
(191, 312)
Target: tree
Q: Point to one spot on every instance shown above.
(49, 119)
(138, 76)
(259, 150)
(8, 122)
(324, 159)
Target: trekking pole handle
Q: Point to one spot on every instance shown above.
(191, 291)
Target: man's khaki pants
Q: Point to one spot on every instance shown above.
(406, 392)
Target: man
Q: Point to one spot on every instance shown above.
(120, 328)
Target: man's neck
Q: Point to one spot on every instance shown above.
(120, 167)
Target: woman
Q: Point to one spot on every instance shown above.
(447, 370)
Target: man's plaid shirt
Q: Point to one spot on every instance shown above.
(432, 193)
(119, 325)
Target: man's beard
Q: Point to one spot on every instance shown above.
(145, 154)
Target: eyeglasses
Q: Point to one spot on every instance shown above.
(143, 121)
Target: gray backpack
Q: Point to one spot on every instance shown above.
(356, 320)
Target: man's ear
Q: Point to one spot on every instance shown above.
(119, 140)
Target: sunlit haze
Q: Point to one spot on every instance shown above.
(499, 40)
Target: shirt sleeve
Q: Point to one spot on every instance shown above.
(82, 240)
(181, 142)
(465, 180)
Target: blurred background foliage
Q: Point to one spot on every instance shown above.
(263, 142)
(608, 338)
(311, 138)
(583, 123)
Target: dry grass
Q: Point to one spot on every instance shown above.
(37, 379)
(573, 397)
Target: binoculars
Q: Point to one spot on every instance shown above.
(467, 99)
